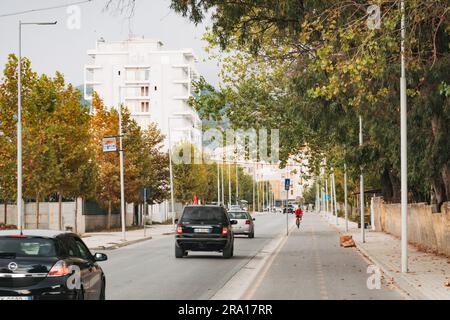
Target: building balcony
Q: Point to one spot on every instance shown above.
(133, 82)
(92, 83)
(184, 98)
(143, 98)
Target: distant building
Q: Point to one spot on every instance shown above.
(156, 84)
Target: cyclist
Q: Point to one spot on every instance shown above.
(298, 216)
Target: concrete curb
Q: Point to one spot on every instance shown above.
(400, 281)
(121, 245)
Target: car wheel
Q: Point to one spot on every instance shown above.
(228, 252)
(179, 253)
(103, 291)
(251, 235)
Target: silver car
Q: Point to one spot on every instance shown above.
(244, 224)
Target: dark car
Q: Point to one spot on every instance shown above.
(41, 265)
(289, 209)
(204, 228)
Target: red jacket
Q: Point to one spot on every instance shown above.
(298, 212)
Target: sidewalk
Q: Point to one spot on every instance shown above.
(428, 273)
(113, 240)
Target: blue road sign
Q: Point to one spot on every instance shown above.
(287, 184)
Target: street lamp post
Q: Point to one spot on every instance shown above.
(345, 197)
(19, 123)
(237, 184)
(334, 197)
(218, 184)
(221, 177)
(229, 185)
(361, 186)
(254, 182)
(403, 148)
(172, 201)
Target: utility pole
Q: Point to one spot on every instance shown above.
(345, 197)
(257, 188)
(334, 198)
(254, 182)
(223, 189)
(229, 185)
(403, 147)
(361, 185)
(326, 194)
(237, 184)
(218, 184)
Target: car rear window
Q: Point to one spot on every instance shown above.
(203, 214)
(27, 247)
(238, 215)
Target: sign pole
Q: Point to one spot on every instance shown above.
(287, 185)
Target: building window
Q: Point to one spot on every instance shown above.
(145, 91)
(145, 106)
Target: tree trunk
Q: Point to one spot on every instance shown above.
(396, 188)
(60, 211)
(109, 215)
(386, 185)
(76, 215)
(6, 212)
(446, 181)
(439, 192)
(37, 211)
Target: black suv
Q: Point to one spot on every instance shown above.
(204, 228)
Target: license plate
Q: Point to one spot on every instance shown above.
(200, 230)
(19, 298)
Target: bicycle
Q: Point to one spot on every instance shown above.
(297, 222)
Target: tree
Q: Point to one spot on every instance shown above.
(104, 124)
(39, 157)
(317, 67)
(8, 122)
(70, 137)
(155, 165)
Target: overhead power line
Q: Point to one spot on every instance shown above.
(44, 9)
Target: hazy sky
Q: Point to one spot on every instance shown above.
(53, 48)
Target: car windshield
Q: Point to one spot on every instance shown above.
(238, 215)
(26, 247)
(203, 214)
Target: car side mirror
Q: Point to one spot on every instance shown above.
(98, 257)
(233, 222)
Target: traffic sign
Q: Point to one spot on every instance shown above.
(287, 184)
(109, 144)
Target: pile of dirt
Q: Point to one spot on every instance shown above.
(347, 241)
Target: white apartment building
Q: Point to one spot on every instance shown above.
(155, 84)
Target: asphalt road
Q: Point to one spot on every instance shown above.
(309, 265)
(149, 270)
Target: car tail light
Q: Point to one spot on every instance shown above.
(224, 231)
(59, 269)
(247, 221)
(179, 229)
(19, 236)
